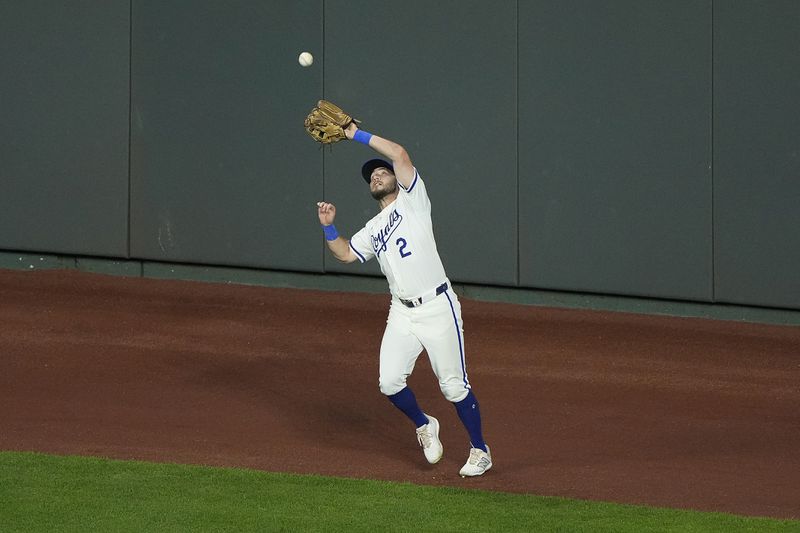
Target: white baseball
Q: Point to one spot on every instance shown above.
(305, 59)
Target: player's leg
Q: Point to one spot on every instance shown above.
(443, 337)
(399, 352)
(470, 414)
(480, 457)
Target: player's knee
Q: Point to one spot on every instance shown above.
(391, 385)
(454, 391)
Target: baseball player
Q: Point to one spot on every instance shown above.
(424, 312)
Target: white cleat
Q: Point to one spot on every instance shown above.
(479, 462)
(428, 437)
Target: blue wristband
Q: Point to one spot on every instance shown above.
(362, 136)
(330, 232)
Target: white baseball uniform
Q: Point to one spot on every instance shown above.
(425, 312)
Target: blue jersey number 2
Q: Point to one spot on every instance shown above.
(402, 246)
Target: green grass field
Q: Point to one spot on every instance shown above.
(49, 493)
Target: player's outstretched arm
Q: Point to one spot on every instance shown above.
(403, 167)
(339, 246)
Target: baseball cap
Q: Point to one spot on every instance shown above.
(372, 164)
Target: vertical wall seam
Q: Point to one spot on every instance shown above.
(130, 119)
(711, 165)
(322, 58)
(516, 118)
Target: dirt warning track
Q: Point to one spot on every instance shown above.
(687, 413)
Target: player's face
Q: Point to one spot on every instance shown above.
(382, 183)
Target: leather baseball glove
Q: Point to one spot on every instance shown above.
(326, 123)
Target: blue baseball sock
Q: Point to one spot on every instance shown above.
(470, 415)
(407, 402)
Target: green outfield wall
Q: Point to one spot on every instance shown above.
(634, 149)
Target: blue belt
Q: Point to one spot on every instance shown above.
(416, 302)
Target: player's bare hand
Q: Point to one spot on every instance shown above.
(326, 212)
(350, 130)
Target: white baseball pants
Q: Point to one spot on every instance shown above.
(435, 326)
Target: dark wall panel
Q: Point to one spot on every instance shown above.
(757, 152)
(438, 78)
(221, 170)
(64, 126)
(614, 154)
(566, 145)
